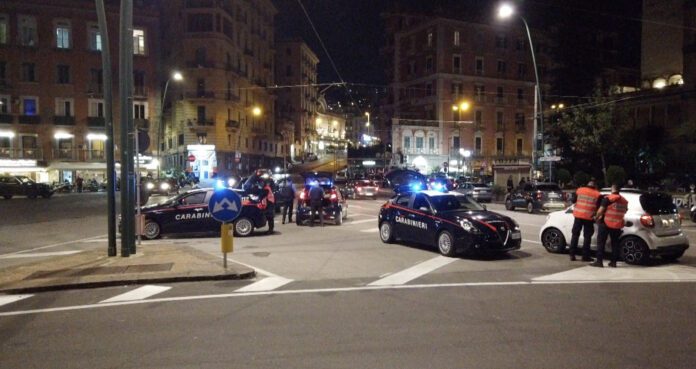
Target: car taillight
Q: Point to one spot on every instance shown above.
(358, 188)
(647, 221)
(303, 195)
(539, 195)
(377, 188)
(680, 218)
(334, 196)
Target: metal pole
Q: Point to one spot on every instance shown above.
(126, 212)
(128, 76)
(137, 189)
(537, 99)
(109, 125)
(160, 129)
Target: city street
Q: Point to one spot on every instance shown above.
(338, 297)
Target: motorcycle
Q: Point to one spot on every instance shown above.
(92, 186)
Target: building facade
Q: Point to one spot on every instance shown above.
(52, 123)
(220, 117)
(461, 86)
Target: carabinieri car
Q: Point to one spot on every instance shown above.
(188, 213)
(451, 221)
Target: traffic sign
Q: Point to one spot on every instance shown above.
(550, 158)
(225, 205)
(191, 158)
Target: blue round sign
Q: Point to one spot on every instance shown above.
(225, 205)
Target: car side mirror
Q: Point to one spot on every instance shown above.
(425, 209)
(484, 207)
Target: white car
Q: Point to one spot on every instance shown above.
(653, 228)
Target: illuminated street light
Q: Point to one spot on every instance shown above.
(256, 111)
(505, 11)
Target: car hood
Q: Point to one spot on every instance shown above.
(484, 216)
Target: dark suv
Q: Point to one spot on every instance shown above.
(536, 196)
(23, 186)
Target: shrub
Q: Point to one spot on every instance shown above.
(498, 191)
(581, 178)
(563, 176)
(615, 174)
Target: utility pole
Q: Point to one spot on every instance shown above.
(125, 90)
(109, 125)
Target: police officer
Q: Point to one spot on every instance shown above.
(288, 199)
(269, 199)
(610, 217)
(586, 199)
(316, 203)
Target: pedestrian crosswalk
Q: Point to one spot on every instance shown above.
(139, 293)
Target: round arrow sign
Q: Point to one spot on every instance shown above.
(225, 205)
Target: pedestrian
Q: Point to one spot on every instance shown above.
(522, 182)
(316, 203)
(288, 199)
(610, 217)
(510, 183)
(586, 201)
(79, 181)
(269, 201)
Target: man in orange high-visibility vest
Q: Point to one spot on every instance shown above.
(586, 203)
(610, 217)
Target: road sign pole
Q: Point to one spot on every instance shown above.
(225, 206)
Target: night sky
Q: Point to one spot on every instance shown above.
(353, 31)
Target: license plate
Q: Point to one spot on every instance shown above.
(553, 196)
(516, 235)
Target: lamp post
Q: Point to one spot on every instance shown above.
(506, 11)
(462, 107)
(367, 125)
(177, 77)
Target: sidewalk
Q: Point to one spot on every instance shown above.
(153, 263)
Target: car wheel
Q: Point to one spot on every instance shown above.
(634, 250)
(339, 218)
(693, 217)
(385, 232)
(530, 207)
(152, 230)
(243, 227)
(508, 205)
(672, 257)
(7, 197)
(445, 243)
(553, 241)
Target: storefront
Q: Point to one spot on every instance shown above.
(202, 161)
(24, 167)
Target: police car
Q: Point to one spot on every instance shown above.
(188, 213)
(449, 220)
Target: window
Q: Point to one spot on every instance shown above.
(457, 88)
(520, 95)
(94, 37)
(430, 39)
(139, 83)
(428, 63)
(479, 93)
(3, 73)
(519, 46)
(95, 81)
(95, 108)
(455, 142)
(202, 138)
(501, 67)
(521, 70)
(431, 142)
(478, 118)
(180, 140)
(29, 72)
(62, 74)
(30, 105)
(64, 107)
(419, 142)
(519, 122)
(4, 29)
(519, 146)
(288, 70)
(195, 199)
(201, 56)
(499, 123)
(27, 31)
(200, 22)
(200, 87)
(499, 94)
(420, 202)
(403, 200)
(477, 145)
(62, 30)
(407, 142)
(140, 110)
(499, 145)
(4, 104)
(139, 42)
(456, 64)
(429, 89)
(456, 38)
(479, 66)
(500, 42)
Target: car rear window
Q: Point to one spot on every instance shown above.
(657, 203)
(548, 187)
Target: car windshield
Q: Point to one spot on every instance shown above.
(454, 202)
(365, 183)
(548, 188)
(657, 203)
(25, 179)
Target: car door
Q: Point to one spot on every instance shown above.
(191, 213)
(419, 220)
(400, 212)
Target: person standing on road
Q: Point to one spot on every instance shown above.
(78, 182)
(610, 217)
(586, 199)
(269, 200)
(288, 199)
(316, 202)
(510, 184)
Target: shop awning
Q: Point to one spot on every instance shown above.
(77, 165)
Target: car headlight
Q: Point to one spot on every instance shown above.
(468, 226)
(231, 182)
(150, 185)
(515, 225)
(165, 186)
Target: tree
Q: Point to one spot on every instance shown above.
(563, 176)
(590, 128)
(615, 174)
(581, 179)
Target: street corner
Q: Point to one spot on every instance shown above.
(153, 263)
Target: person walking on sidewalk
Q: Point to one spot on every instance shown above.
(586, 201)
(610, 217)
(316, 202)
(288, 199)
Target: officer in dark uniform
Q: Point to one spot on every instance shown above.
(288, 198)
(316, 202)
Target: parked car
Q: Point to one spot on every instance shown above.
(653, 228)
(335, 205)
(536, 196)
(23, 186)
(478, 191)
(406, 180)
(161, 186)
(361, 188)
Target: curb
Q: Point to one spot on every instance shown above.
(100, 284)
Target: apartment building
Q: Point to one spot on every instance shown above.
(52, 124)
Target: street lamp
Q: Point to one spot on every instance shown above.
(506, 11)
(466, 154)
(368, 122)
(177, 77)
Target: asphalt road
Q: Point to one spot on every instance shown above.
(337, 297)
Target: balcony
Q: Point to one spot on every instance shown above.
(234, 124)
(6, 118)
(500, 100)
(96, 122)
(91, 155)
(65, 154)
(141, 123)
(520, 128)
(200, 64)
(30, 153)
(61, 120)
(29, 119)
(200, 95)
(421, 151)
(140, 91)
(418, 123)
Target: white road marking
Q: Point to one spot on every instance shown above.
(140, 293)
(413, 272)
(370, 230)
(266, 284)
(363, 221)
(530, 241)
(624, 273)
(8, 299)
(53, 245)
(256, 269)
(39, 254)
(353, 214)
(313, 291)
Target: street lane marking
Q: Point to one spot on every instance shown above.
(4, 300)
(39, 254)
(315, 291)
(266, 284)
(530, 241)
(256, 269)
(413, 272)
(53, 245)
(363, 221)
(137, 294)
(623, 273)
(371, 230)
